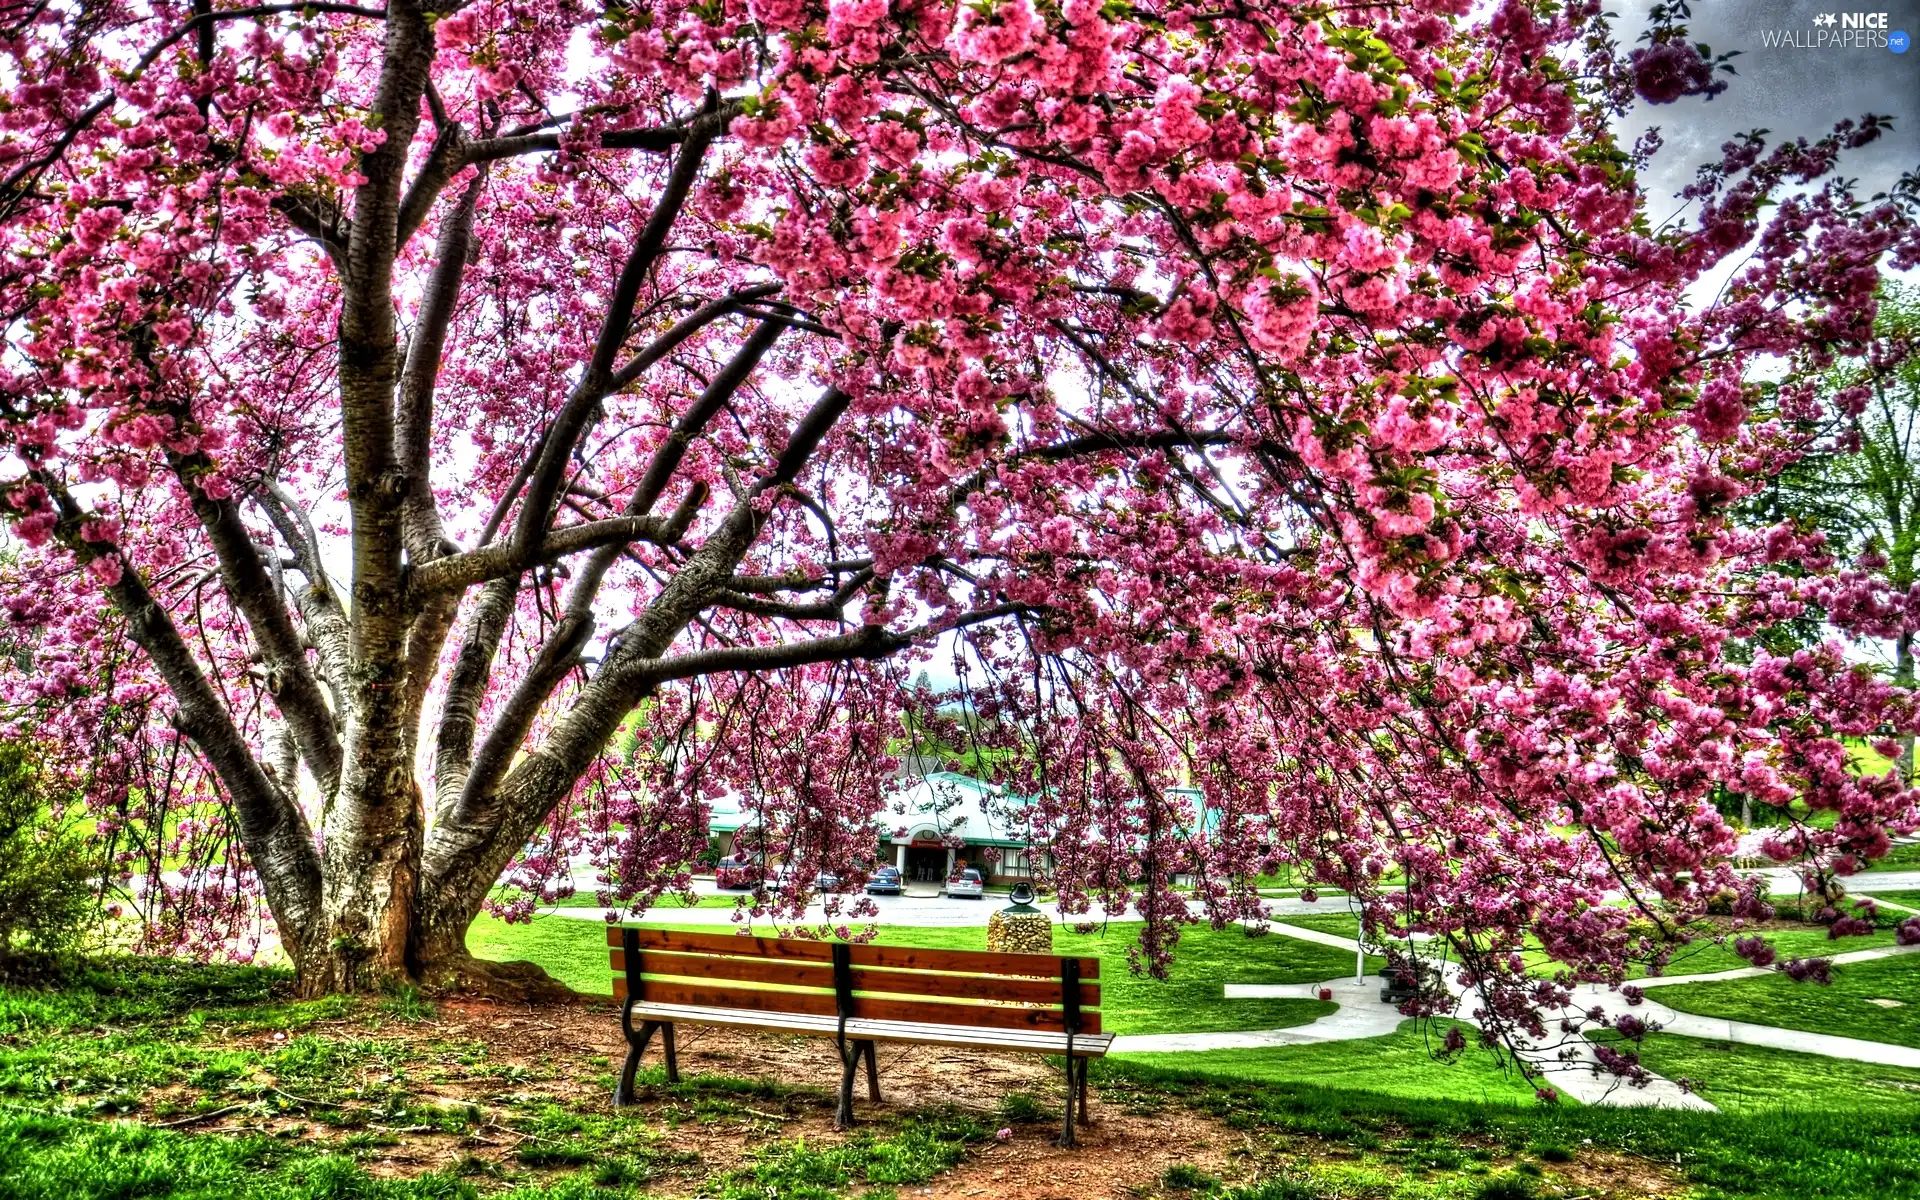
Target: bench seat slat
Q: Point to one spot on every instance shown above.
(1087, 1045)
(800, 973)
(910, 958)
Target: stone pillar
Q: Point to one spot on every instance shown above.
(949, 874)
(900, 856)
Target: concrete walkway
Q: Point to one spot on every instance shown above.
(1570, 1065)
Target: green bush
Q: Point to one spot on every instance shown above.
(47, 869)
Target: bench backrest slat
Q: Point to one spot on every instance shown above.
(807, 974)
(910, 958)
(890, 983)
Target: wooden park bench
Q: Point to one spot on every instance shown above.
(857, 995)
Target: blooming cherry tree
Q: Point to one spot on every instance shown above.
(443, 437)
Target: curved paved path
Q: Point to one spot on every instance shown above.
(1569, 1066)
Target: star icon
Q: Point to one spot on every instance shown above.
(1823, 19)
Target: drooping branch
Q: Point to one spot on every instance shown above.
(276, 834)
(250, 588)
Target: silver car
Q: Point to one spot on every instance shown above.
(967, 884)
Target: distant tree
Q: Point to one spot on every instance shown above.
(1861, 486)
(47, 870)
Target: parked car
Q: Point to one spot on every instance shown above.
(967, 883)
(885, 879)
(826, 881)
(738, 873)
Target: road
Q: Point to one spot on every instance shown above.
(924, 908)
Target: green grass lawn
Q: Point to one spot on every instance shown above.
(1705, 958)
(1334, 920)
(155, 1080)
(1901, 858)
(1189, 1001)
(1909, 899)
(1400, 1064)
(1740, 1079)
(1809, 1151)
(1841, 1008)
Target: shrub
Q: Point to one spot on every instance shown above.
(1184, 1177)
(1020, 1108)
(46, 868)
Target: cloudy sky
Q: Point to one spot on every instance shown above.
(1793, 90)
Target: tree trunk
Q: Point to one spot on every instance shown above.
(368, 933)
(1903, 677)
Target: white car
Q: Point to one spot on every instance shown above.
(967, 883)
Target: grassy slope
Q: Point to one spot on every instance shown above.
(1190, 1000)
(1818, 1151)
(1841, 1009)
(151, 1040)
(162, 1039)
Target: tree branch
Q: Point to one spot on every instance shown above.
(458, 571)
(793, 581)
(543, 484)
(327, 225)
(460, 709)
(831, 609)
(319, 603)
(658, 138)
(413, 440)
(444, 160)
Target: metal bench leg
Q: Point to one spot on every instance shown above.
(849, 1062)
(1067, 1139)
(673, 1056)
(1083, 1118)
(636, 1046)
(873, 1070)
